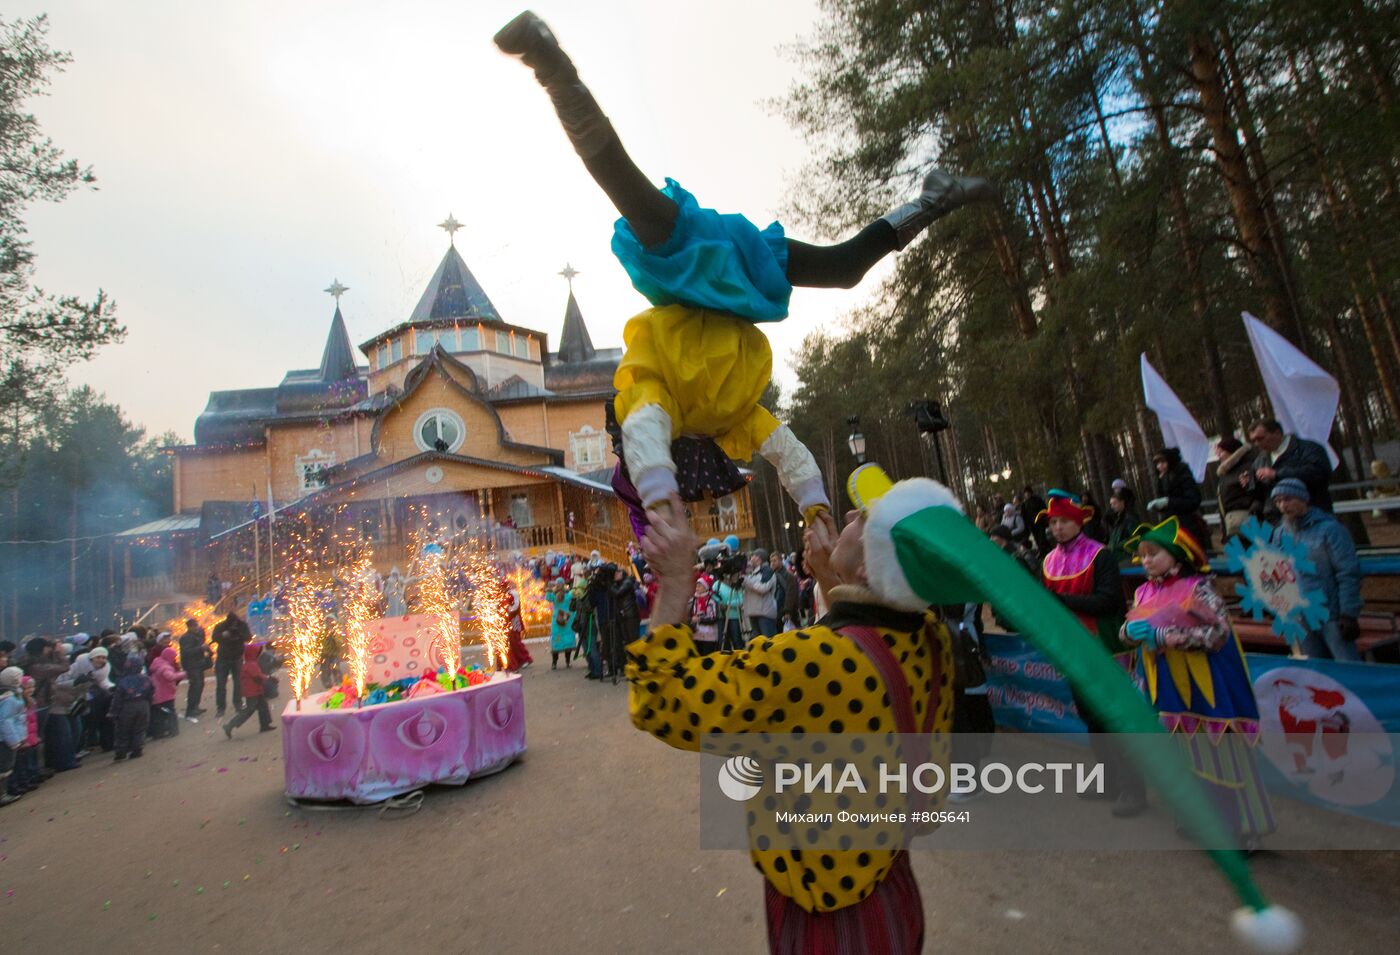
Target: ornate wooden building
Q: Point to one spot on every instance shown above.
(460, 423)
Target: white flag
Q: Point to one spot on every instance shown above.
(1179, 428)
(1303, 395)
(271, 507)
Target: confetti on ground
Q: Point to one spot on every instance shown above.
(223, 769)
(242, 821)
(175, 884)
(247, 877)
(147, 875)
(721, 891)
(9, 893)
(296, 846)
(199, 890)
(151, 917)
(226, 883)
(106, 905)
(1015, 915)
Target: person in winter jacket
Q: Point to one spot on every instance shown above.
(251, 681)
(1121, 522)
(12, 728)
(26, 776)
(230, 635)
(760, 601)
(1335, 570)
(165, 676)
(1282, 456)
(131, 708)
(1235, 500)
(196, 660)
(1178, 494)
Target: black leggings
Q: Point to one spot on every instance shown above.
(652, 215)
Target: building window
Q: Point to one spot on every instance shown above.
(503, 342)
(470, 338)
(396, 350)
(587, 448)
(520, 510)
(522, 346)
(439, 430)
(311, 468)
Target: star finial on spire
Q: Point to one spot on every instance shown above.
(450, 225)
(336, 290)
(569, 272)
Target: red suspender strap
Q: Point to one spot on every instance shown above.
(873, 645)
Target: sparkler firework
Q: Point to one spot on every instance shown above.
(307, 621)
(359, 601)
(435, 597)
(489, 605)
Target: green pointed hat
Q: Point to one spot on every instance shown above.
(920, 550)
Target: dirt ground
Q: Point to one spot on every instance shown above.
(587, 845)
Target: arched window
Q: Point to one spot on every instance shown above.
(439, 430)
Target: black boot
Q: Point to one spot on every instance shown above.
(942, 193)
(529, 38)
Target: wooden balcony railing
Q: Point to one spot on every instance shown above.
(164, 586)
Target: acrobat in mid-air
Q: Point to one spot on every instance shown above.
(695, 367)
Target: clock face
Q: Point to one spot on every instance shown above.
(433, 474)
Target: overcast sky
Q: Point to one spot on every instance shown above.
(249, 153)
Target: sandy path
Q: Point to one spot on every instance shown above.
(588, 845)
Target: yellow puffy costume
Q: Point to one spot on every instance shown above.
(706, 370)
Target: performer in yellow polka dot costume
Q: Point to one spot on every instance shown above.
(813, 680)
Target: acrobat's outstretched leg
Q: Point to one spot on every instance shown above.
(647, 211)
(651, 214)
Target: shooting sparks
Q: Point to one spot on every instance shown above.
(359, 600)
(435, 597)
(307, 624)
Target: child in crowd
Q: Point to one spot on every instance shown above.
(165, 677)
(12, 728)
(252, 681)
(131, 708)
(704, 617)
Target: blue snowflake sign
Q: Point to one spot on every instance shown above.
(1272, 572)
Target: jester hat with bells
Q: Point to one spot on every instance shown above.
(920, 550)
(1169, 536)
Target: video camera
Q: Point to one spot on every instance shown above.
(727, 564)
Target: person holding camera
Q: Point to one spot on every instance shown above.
(760, 599)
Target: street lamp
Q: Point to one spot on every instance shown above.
(1006, 473)
(856, 442)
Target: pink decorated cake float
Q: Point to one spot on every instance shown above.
(426, 723)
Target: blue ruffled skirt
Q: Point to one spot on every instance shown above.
(711, 261)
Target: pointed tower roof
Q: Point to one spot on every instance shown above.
(453, 292)
(338, 359)
(575, 343)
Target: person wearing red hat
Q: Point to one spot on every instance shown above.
(1084, 574)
